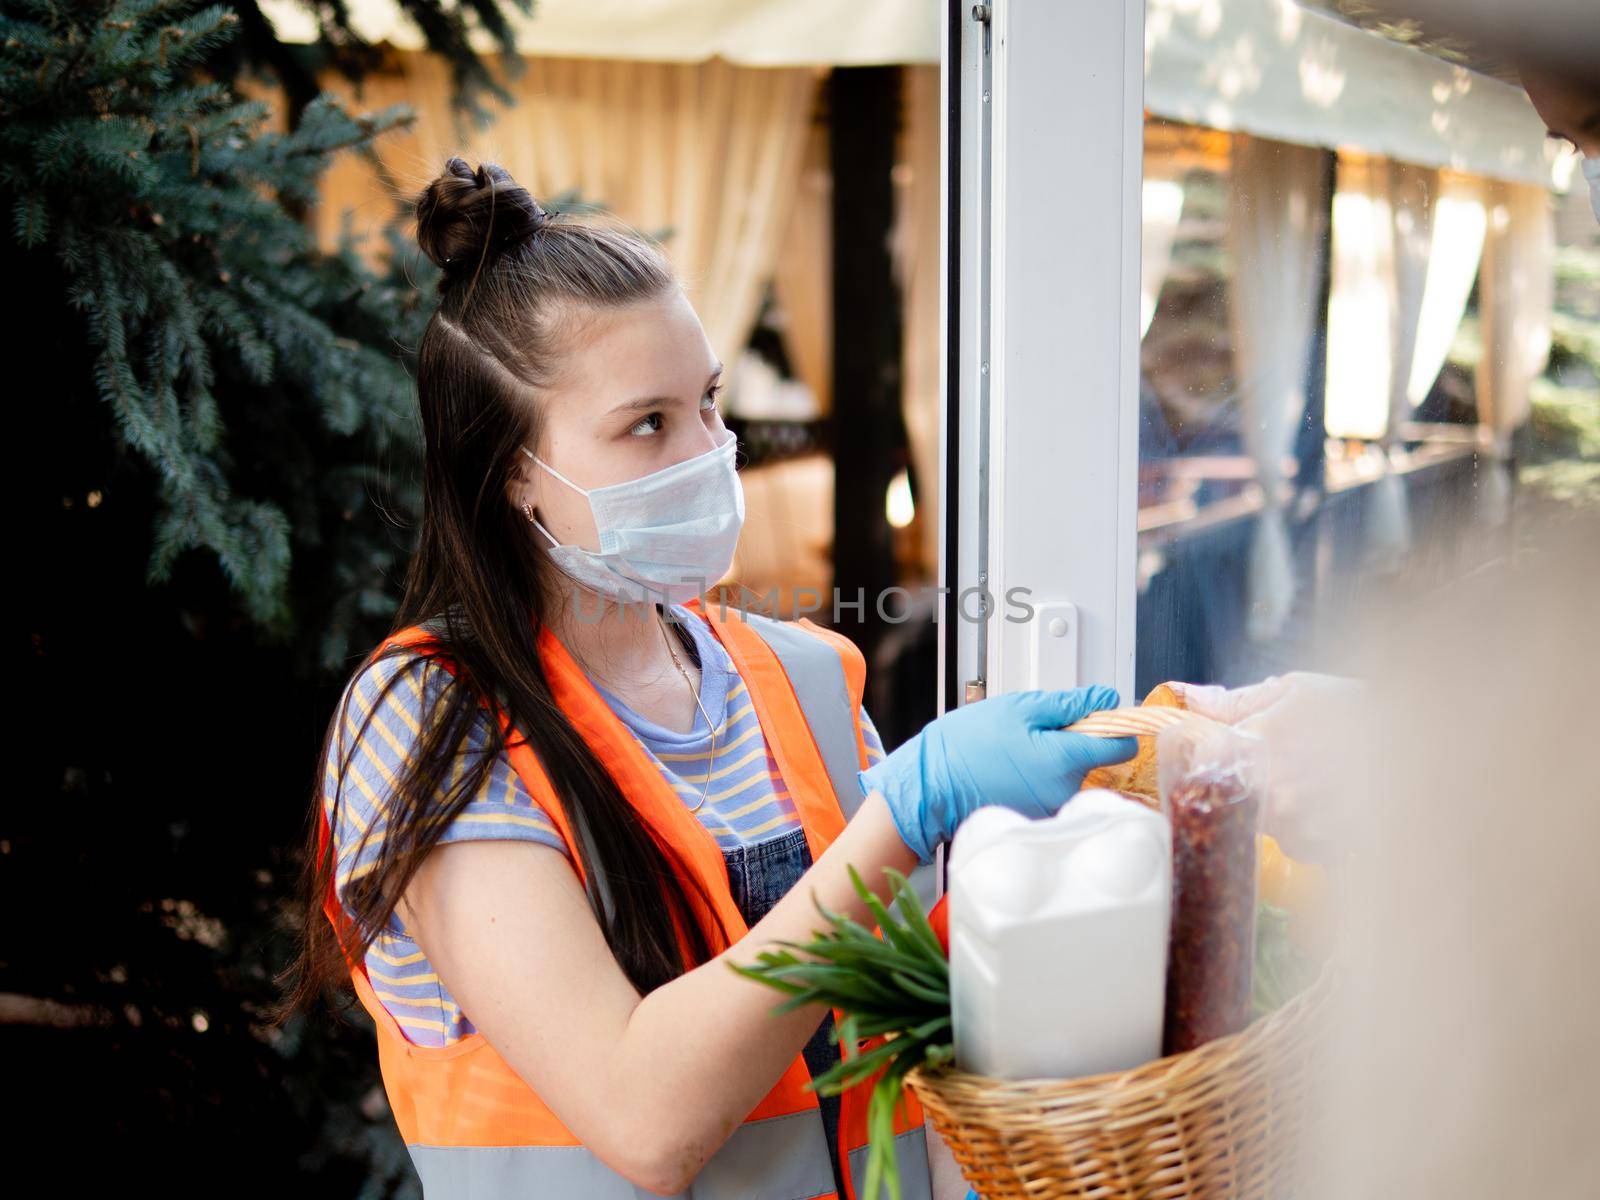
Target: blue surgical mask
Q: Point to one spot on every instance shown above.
(665, 536)
(1591, 172)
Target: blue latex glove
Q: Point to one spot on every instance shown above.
(1008, 749)
(972, 1193)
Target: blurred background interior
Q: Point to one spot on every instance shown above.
(1414, 307)
(1428, 335)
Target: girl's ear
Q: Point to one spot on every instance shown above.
(522, 488)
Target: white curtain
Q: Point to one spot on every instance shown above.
(916, 258)
(1362, 306)
(802, 281)
(1407, 241)
(1411, 193)
(1515, 297)
(1459, 221)
(1382, 245)
(706, 153)
(1274, 227)
(1163, 205)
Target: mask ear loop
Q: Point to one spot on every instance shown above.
(553, 471)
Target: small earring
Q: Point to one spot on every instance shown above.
(527, 510)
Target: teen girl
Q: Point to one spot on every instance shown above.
(565, 793)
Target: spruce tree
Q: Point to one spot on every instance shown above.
(212, 426)
(251, 375)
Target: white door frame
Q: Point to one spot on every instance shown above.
(1042, 344)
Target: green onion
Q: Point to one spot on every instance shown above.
(896, 985)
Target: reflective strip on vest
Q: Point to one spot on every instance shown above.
(779, 1158)
(911, 1152)
(817, 676)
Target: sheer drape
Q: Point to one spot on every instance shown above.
(1406, 243)
(1382, 248)
(1515, 298)
(1274, 227)
(1456, 249)
(1362, 324)
(705, 155)
(802, 281)
(916, 257)
(1412, 194)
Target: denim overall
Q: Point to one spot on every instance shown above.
(760, 875)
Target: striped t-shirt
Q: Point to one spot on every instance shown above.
(746, 800)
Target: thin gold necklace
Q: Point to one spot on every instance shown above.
(695, 692)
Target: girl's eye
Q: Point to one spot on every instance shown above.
(651, 422)
(647, 424)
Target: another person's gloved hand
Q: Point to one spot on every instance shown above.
(1307, 723)
(1008, 750)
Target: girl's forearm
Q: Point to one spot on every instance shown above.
(702, 1074)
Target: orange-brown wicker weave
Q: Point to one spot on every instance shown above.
(1224, 1121)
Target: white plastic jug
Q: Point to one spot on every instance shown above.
(1058, 938)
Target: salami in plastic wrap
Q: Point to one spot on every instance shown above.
(1211, 793)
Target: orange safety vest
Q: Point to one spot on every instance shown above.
(476, 1131)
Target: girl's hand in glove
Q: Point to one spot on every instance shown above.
(1008, 750)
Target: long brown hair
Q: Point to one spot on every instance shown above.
(515, 278)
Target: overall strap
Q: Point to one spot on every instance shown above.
(827, 674)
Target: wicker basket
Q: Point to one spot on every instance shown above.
(1220, 1122)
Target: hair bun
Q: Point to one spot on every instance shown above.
(465, 215)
